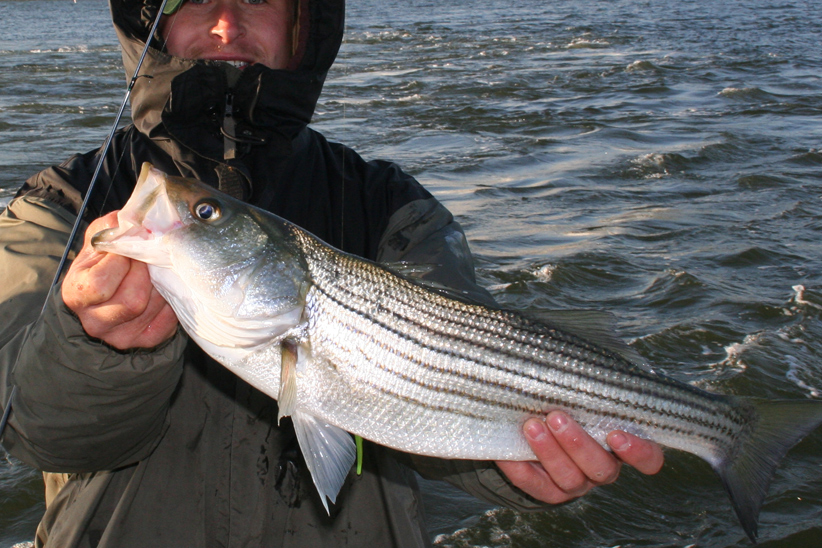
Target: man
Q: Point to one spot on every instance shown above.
(165, 447)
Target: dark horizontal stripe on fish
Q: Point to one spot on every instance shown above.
(526, 331)
(547, 402)
(627, 386)
(585, 351)
(555, 403)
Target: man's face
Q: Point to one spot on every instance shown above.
(243, 31)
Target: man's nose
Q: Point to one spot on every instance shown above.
(229, 25)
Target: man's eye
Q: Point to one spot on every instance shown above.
(255, 2)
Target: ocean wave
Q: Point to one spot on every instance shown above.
(587, 43)
(747, 93)
(78, 48)
(755, 256)
(760, 181)
(813, 157)
(659, 164)
(501, 527)
(672, 289)
(801, 374)
(806, 300)
(642, 66)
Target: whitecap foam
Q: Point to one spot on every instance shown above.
(581, 43)
(799, 297)
(733, 355)
(796, 372)
(640, 66)
(745, 93)
(545, 273)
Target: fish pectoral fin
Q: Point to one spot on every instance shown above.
(329, 452)
(287, 399)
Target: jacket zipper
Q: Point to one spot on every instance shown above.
(229, 129)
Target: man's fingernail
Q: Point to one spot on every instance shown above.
(618, 441)
(535, 429)
(558, 422)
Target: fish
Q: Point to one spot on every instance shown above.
(348, 346)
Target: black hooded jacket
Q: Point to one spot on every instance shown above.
(165, 447)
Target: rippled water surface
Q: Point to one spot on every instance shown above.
(658, 159)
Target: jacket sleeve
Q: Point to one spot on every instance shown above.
(423, 232)
(80, 405)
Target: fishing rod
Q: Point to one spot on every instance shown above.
(84, 205)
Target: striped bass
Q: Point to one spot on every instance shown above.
(348, 346)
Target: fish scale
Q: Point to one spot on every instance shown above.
(346, 345)
(660, 404)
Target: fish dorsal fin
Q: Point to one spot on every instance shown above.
(329, 452)
(596, 326)
(414, 271)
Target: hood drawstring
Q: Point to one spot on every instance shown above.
(229, 129)
(231, 136)
(234, 181)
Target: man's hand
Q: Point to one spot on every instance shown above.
(570, 463)
(114, 298)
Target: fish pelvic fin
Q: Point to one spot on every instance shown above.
(329, 453)
(747, 474)
(287, 399)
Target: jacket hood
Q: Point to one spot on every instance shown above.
(188, 100)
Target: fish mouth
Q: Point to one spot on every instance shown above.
(119, 235)
(107, 237)
(147, 216)
(133, 242)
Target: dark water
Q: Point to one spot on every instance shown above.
(659, 159)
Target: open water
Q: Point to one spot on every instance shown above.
(661, 159)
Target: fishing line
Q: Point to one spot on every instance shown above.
(76, 227)
(342, 190)
(358, 441)
(172, 21)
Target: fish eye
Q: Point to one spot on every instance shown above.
(207, 210)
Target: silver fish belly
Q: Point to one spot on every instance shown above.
(346, 345)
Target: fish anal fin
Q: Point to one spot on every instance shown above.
(329, 452)
(748, 474)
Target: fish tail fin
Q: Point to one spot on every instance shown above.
(747, 474)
